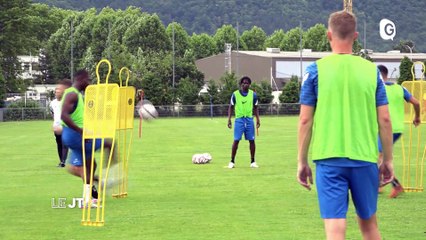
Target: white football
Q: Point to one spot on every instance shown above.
(148, 112)
(201, 158)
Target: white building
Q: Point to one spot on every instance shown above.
(30, 66)
(277, 66)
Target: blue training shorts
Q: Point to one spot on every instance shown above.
(72, 140)
(396, 136)
(246, 126)
(334, 184)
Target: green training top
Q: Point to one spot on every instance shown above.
(395, 95)
(345, 120)
(243, 104)
(77, 115)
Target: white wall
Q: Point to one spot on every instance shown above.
(286, 69)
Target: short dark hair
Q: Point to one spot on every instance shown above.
(383, 70)
(80, 73)
(245, 78)
(66, 82)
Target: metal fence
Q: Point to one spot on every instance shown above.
(24, 114)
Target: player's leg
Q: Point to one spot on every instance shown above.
(364, 187)
(233, 153)
(252, 150)
(73, 140)
(64, 155)
(91, 162)
(335, 228)
(58, 138)
(332, 187)
(110, 150)
(369, 228)
(238, 133)
(249, 135)
(397, 188)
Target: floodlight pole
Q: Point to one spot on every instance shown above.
(238, 49)
(411, 50)
(301, 57)
(72, 50)
(173, 48)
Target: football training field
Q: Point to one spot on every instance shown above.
(171, 198)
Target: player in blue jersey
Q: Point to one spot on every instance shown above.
(343, 106)
(244, 102)
(396, 95)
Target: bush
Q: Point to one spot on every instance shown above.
(290, 91)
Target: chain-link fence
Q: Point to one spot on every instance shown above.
(23, 114)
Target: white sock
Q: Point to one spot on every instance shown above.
(87, 193)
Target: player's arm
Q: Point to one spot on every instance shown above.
(67, 108)
(385, 134)
(230, 109)
(308, 100)
(256, 110)
(51, 110)
(306, 119)
(416, 106)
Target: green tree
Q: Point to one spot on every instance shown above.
(275, 40)
(138, 66)
(15, 39)
(213, 93)
(254, 39)
(225, 34)
(405, 70)
(187, 69)
(290, 92)
(315, 38)
(82, 24)
(88, 63)
(147, 33)
(203, 45)
(405, 46)
(125, 19)
(181, 38)
(356, 47)
(58, 47)
(291, 40)
(187, 92)
(424, 74)
(2, 90)
(263, 91)
(120, 57)
(156, 91)
(228, 86)
(100, 33)
(44, 64)
(44, 21)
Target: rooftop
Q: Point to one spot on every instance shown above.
(306, 53)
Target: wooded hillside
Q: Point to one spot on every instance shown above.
(201, 16)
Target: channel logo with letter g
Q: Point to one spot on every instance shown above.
(387, 29)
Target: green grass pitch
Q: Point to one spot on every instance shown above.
(171, 198)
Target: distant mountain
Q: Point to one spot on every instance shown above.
(206, 16)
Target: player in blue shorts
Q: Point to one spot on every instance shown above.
(343, 106)
(72, 122)
(396, 95)
(244, 102)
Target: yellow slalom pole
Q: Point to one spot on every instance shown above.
(124, 132)
(100, 115)
(413, 169)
